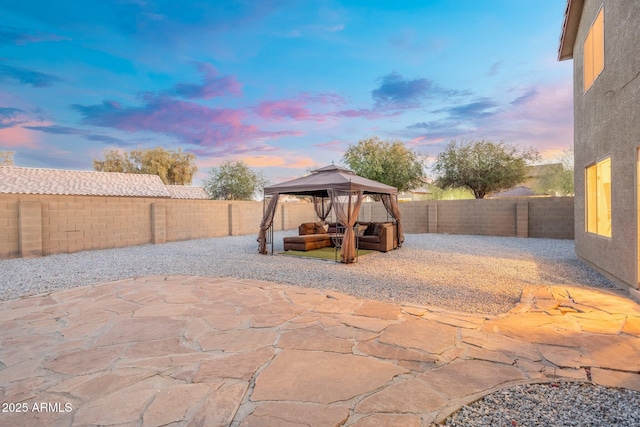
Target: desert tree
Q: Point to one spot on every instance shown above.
(483, 167)
(172, 166)
(234, 180)
(390, 162)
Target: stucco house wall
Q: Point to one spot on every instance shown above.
(607, 124)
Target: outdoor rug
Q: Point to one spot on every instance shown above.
(323, 253)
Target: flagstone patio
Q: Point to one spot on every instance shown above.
(202, 351)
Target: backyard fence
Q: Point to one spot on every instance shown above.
(35, 225)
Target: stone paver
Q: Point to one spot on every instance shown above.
(321, 377)
(202, 351)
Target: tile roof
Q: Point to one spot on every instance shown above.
(19, 180)
(186, 192)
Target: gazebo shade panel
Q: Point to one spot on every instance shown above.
(320, 181)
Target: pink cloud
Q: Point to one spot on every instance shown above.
(542, 118)
(364, 113)
(329, 144)
(10, 117)
(278, 161)
(187, 121)
(21, 137)
(299, 107)
(212, 85)
(285, 109)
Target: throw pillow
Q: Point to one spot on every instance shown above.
(370, 231)
(320, 229)
(361, 230)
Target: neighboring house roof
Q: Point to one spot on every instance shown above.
(570, 25)
(520, 191)
(19, 180)
(186, 192)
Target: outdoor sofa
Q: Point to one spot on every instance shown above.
(311, 235)
(378, 236)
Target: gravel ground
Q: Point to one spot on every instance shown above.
(477, 274)
(552, 405)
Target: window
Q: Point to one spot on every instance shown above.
(594, 51)
(598, 191)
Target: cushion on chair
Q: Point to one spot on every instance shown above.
(369, 239)
(307, 228)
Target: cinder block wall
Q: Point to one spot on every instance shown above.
(76, 223)
(483, 217)
(245, 217)
(414, 216)
(9, 226)
(196, 219)
(551, 217)
(294, 214)
(546, 217)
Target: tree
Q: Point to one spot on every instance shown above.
(173, 166)
(234, 180)
(389, 162)
(482, 166)
(559, 180)
(437, 193)
(6, 158)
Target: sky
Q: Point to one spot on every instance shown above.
(283, 85)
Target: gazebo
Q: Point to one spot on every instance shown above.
(331, 187)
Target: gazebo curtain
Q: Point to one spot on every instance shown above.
(391, 204)
(322, 206)
(347, 210)
(266, 223)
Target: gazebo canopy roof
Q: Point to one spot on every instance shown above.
(329, 177)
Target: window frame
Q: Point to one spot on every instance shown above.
(598, 209)
(589, 56)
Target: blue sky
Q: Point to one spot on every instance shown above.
(284, 85)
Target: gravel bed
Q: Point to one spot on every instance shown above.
(552, 405)
(477, 274)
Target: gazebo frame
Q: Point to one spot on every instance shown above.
(334, 183)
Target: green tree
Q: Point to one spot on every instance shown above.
(172, 166)
(558, 180)
(234, 180)
(6, 158)
(482, 166)
(389, 162)
(437, 193)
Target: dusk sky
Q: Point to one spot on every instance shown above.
(284, 85)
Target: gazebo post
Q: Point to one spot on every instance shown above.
(271, 230)
(269, 233)
(349, 215)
